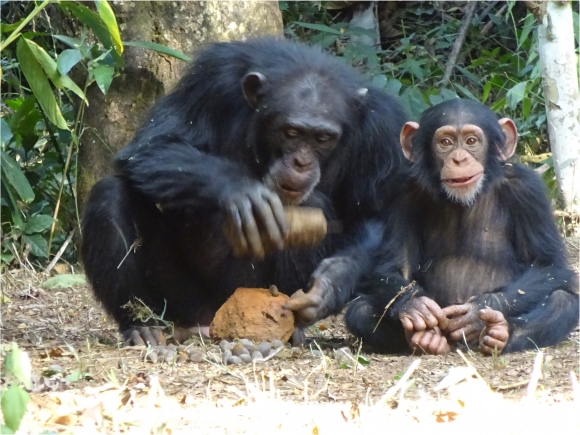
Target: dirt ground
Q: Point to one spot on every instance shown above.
(83, 381)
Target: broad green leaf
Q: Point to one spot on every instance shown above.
(526, 107)
(38, 244)
(14, 401)
(363, 361)
(466, 92)
(412, 99)
(516, 94)
(74, 376)
(380, 81)
(529, 23)
(16, 178)
(38, 223)
(159, 48)
(108, 17)
(319, 27)
(104, 76)
(9, 197)
(476, 80)
(5, 133)
(393, 86)
(18, 363)
(50, 68)
(64, 281)
(39, 83)
(7, 28)
(67, 59)
(486, 91)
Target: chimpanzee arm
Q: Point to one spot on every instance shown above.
(537, 244)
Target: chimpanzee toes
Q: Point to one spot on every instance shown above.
(144, 336)
(298, 337)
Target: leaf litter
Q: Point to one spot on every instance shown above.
(84, 381)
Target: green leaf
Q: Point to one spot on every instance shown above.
(104, 76)
(108, 17)
(476, 80)
(38, 223)
(16, 178)
(380, 81)
(38, 245)
(486, 91)
(7, 192)
(413, 101)
(516, 94)
(64, 281)
(529, 23)
(6, 430)
(91, 20)
(526, 107)
(39, 83)
(363, 361)
(159, 48)
(74, 376)
(67, 59)
(319, 27)
(466, 92)
(393, 86)
(14, 401)
(5, 133)
(18, 363)
(50, 68)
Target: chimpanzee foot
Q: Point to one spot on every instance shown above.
(143, 336)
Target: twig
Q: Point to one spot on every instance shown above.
(402, 383)
(60, 251)
(403, 290)
(536, 375)
(470, 365)
(512, 386)
(465, 22)
(486, 28)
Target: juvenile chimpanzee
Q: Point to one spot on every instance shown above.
(251, 127)
(473, 254)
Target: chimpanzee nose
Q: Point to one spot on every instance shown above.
(301, 162)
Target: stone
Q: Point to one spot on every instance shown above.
(264, 348)
(255, 315)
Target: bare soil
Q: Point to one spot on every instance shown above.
(84, 379)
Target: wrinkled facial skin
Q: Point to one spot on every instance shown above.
(460, 152)
(299, 128)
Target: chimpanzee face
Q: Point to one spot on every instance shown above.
(300, 126)
(457, 141)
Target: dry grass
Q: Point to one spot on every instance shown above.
(307, 392)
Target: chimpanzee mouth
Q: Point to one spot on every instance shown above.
(463, 181)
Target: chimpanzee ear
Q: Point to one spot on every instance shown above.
(406, 137)
(511, 138)
(253, 88)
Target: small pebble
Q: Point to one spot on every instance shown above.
(169, 355)
(256, 356)
(239, 349)
(225, 345)
(196, 356)
(226, 356)
(272, 352)
(264, 348)
(234, 360)
(171, 347)
(182, 348)
(246, 359)
(276, 344)
(248, 344)
(152, 357)
(182, 357)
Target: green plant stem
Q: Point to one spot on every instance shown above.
(16, 32)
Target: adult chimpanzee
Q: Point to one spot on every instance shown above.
(473, 253)
(251, 127)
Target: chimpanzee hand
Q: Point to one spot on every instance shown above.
(431, 341)
(249, 208)
(320, 298)
(464, 322)
(143, 336)
(496, 331)
(422, 313)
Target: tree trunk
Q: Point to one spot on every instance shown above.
(562, 99)
(111, 120)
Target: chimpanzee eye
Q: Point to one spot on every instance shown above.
(291, 132)
(321, 138)
(471, 141)
(446, 143)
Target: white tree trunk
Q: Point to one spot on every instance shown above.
(562, 99)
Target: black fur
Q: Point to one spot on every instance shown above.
(504, 244)
(200, 142)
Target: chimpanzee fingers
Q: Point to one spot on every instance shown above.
(251, 228)
(300, 300)
(158, 337)
(492, 317)
(264, 209)
(501, 334)
(236, 236)
(417, 321)
(407, 323)
(455, 310)
(466, 334)
(278, 212)
(437, 313)
(444, 347)
(488, 345)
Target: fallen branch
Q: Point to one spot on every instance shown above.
(60, 251)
